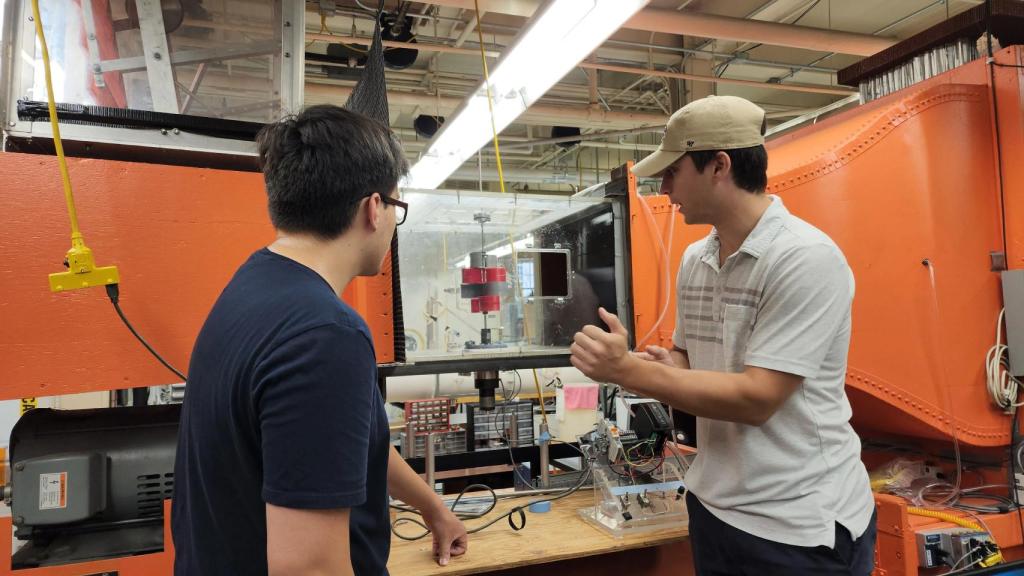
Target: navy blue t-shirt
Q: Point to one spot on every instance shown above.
(281, 407)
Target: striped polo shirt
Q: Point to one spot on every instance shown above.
(781, 302)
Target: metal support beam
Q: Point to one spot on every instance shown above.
(190, 94)
(157, 57)
(88, 18)
(137, 63)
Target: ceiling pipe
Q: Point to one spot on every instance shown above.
(317, 93)
(619, 146)
(597, 66)
(685, 76)
(587, 137)
(712, 26)
(548, 176)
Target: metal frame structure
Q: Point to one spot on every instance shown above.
(158, 62)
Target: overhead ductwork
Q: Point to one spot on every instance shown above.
(583, 116)
(712, 26)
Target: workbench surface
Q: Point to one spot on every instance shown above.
(556, 535)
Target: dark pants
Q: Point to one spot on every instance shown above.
(721, 550)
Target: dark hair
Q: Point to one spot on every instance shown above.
(749, 165)
(320, 164)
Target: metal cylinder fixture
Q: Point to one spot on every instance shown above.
(409, 446)
(513, 430)
(486, 381)
(428, 459)
(545, 480)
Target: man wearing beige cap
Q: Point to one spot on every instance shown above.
(759, 356)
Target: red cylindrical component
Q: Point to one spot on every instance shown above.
(485, 303)
(483, 275)
(473, 275)
(494, 274)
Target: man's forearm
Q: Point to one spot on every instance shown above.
(718, 395)
(406, 485)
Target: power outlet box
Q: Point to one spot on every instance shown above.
(946, 546)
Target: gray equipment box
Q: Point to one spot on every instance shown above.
(59, 489)
(1013, 302)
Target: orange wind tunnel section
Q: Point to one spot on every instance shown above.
(908, 186)
(924, 192)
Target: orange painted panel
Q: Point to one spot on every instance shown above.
(177, 234)
(906, 179)
(904, 183)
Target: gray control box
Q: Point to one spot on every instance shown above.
(1013, 301)
(59, 489)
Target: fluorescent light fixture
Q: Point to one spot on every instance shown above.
(560, 35)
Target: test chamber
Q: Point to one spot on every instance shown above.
(552, 261)
(495, 281)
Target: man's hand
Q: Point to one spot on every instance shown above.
(449, 535)
(657, 354)
(602, 356)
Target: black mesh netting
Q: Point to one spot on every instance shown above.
(370, 98)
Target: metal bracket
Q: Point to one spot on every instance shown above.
(997, 261)
(328, 7)
(95, 59)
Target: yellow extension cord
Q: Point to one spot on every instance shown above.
(487, 87)
(82, 273)
(53, 124)
(945, 516)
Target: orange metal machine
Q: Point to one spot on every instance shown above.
(922, 189)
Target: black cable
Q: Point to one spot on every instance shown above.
(995, 123)
(1006, 65)
(517, 510)
(499, 422)
(114, 293)
(609, 401)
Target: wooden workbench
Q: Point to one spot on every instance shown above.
(552, 537)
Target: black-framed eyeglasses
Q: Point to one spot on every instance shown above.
(401, 208)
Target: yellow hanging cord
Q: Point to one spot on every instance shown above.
(487, 86)
(75, 234)
(540, 395)
(83, 272)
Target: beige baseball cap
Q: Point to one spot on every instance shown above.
(711, 123)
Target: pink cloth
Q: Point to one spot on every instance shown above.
(579, 396)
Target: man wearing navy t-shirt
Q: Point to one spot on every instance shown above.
(284, 463)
